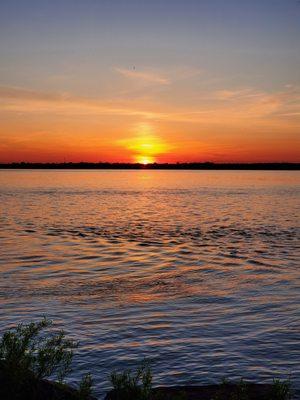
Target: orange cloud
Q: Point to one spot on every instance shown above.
(147, 76)
(232, 124)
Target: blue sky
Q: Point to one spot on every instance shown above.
(232, 37)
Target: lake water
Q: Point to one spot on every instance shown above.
(198, 271)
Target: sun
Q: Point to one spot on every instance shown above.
(141, 159)
(145, 147)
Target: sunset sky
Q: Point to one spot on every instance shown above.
(149, 80)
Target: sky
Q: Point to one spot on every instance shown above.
(144, 81)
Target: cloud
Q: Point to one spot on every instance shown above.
(227, 106)
(256, 103)
(184, 72)
(29, 101)
(21, 100)
(14, 92)
(146, 76)
(163, 77)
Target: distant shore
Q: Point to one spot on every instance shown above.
(164, 166)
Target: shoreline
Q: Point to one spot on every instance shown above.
(45, 389)
(283, 166)
(223, 391)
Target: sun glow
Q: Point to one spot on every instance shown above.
(144, 159)
(145, 145)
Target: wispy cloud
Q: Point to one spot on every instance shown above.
(225, 106)
(159, 77)
(14, 92)
(256, 103)
(143, 75)
(29, 101)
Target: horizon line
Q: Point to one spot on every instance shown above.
(283, 165)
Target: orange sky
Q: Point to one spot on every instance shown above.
(149, 81)
(229, 125)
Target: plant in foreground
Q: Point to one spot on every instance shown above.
(239, 391)
(85, 387)
(281, 390)
(130, 385)
(242, 391)
(28, 354)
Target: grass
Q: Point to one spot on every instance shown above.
(129, 385)
(85, 387)
(137, 385)
(240, 393)
(30, 353)
(281, 390)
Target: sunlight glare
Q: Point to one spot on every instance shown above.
(144, 160)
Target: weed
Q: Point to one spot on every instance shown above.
(130, 385)
(241, 392)
(85, 387)
(28, 355)
(281, 390)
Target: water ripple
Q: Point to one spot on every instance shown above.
(197, 272)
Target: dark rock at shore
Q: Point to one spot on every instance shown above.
(224, 392)
(37, 390)
(218, 392)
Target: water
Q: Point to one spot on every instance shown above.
(197, 271)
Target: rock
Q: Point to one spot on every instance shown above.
(220, 392)
(33, 389)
